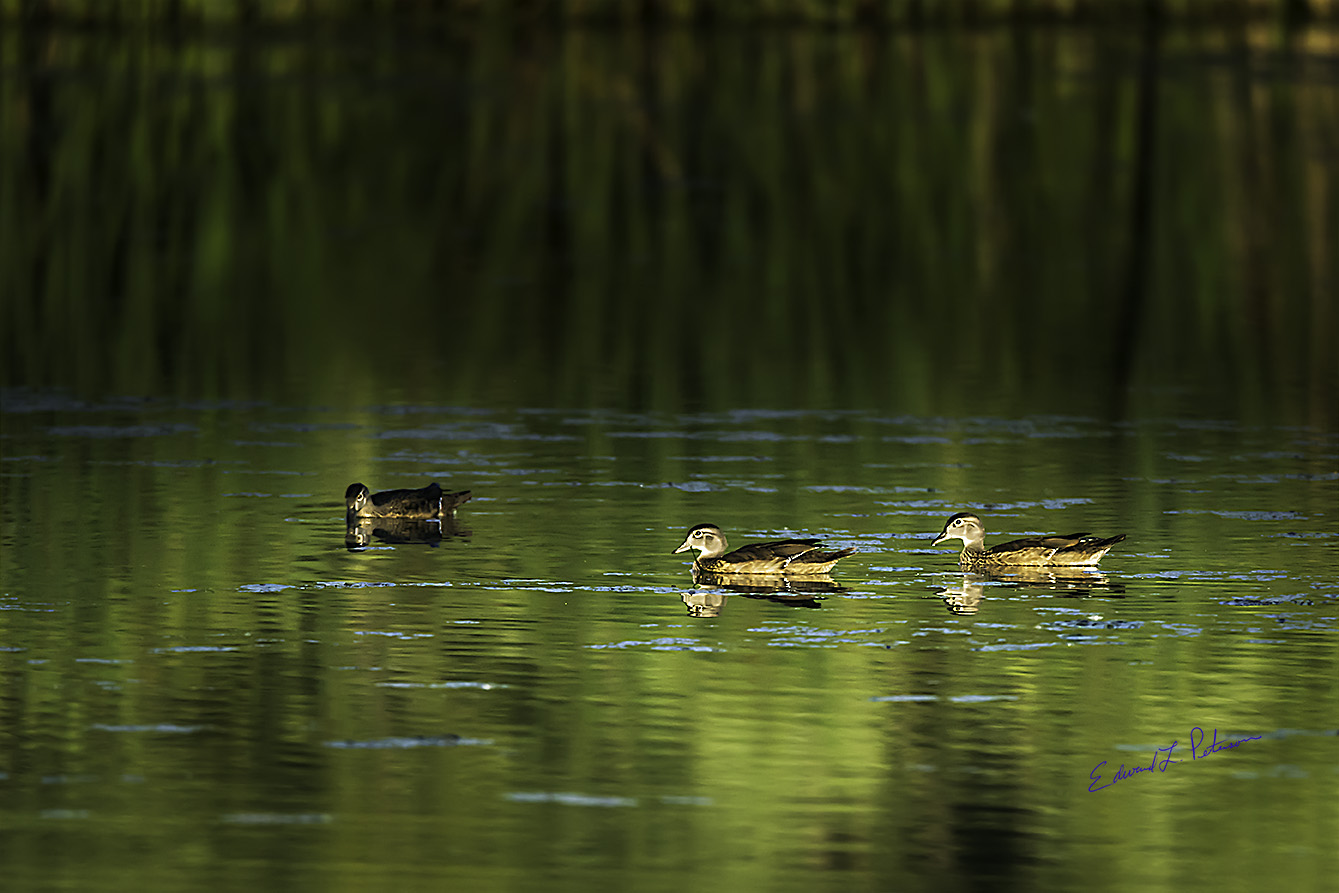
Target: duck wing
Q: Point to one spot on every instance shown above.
(1072, 549)
(782, 549)
(815, 561)
(1053, 542)
(424, 502)
(1089, 543)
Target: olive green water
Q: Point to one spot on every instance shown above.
(836, 284)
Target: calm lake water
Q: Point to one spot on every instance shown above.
(205, 684)
(618, 282)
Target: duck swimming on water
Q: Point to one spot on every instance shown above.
(426, 502)
(1069, 550)
(788, 557)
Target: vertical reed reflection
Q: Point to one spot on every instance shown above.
(928, 221)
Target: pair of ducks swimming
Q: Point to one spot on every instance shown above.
(805, 558)
(796, 558)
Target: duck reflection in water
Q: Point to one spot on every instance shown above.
(708, 598)
(360, 532)
(704, 602)
(965, 597)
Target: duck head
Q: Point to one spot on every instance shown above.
(963, 526)
(707, 539)
(356, 497)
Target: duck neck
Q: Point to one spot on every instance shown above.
(709, 555)
(716, 551)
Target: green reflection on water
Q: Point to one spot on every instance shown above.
(946, 222)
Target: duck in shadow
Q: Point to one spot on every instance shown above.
(790, 558)
(426, 502)
(1069, 550)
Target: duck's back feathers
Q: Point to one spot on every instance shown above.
(1075, 549)
(423, 503)
(793, 557)
(1053, 541)
(426, 502)
(770, 551)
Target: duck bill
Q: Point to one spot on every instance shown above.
(939, 539)
(684, 548)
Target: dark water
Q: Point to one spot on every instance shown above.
(982, 222)
(617, 283)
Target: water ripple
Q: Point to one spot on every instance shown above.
(569, 799)
(398, 743)
(668, 643)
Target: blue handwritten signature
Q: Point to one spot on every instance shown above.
(1162, 757)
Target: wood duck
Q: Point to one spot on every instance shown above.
(1070, 550)
(426, 502)
(800, 558)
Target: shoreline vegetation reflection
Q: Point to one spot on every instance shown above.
(188, 13)
(1128, 221)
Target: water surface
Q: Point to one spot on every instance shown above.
(199, 667)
